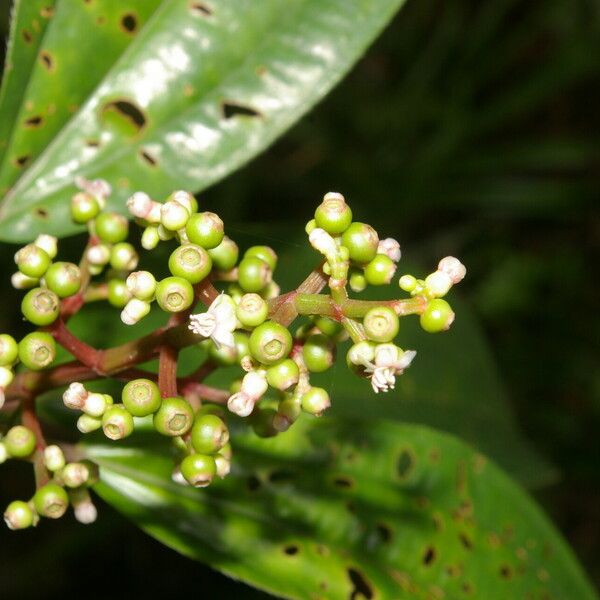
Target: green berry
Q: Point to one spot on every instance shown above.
(357, 280)
(20, 441)
(265, 253)
(262, 422)
(288, 412)
(380, 270)
(252, 310)
(40, 306)
(407, 282)
(317, 353)
(63, 278)
(253, 274)
(381, 324)
(84, 208)
(174, 294)
(362, 241)
(123, 257)
(51, 501)
(224, 356)
(283, 374)
(242, 344)
(310, 226)
(191, 262)
(209, 434)
(328, 326)
(270, 342)
(141, 397)
(112, 227)
(37, 350)
(9, 350)
(225, 255)
(315, 401)
(205, 229)
(117, 422)
(118, 294)
(438, 316)
(32, 261)
(18, 515)
(174, 215)
(198, 469)
(333, 214)
(174, 417)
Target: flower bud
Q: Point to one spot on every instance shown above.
(360, 355)
(141, 397)
(408, 283)
(150, 238)
(118, 294)
(135, 310)
(18, 515)
(265, 253)
(225, 255)
(186, 199)
(333, 214)
(174, 294)
(140, 205)
(453, 267)
(117, 422)
(22, 282)
(142, 285)
(98, 188)
(223, 465)
(270, 342)
(37, 350)
(54, 458)
(310, 226)
(51, 501)
(438, 283)
(205, 229)
(87, 424)
(241, 404)
(391, 248)
(75, 474)
(174, 417)
(191, 262)
(4, 456)
(112, 227)
(48, 243)
(32, 261)
(63, 278)
(198, 469)
(251, 310)
(357, 281)
(381, 324)
(85, 511)
(98, 255)
(95, 404)
(20, 441)
(174, 215)
(6, 377)
(315, 401)
(123, 257)
(74, 396)
(321, 241)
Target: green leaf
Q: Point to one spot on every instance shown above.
(349, 509)
(201, 89)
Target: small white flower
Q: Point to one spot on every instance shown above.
(453, 267)
(321, 241)
(391, 248)
(75, 395)
(389, 362)
(217, 323)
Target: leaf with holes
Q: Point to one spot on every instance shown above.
(348, 509)
(201, 89)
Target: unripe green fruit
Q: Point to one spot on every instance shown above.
(205, 229)
(252, 310)
(333, 214)
(283, 374)
(253, 274)
(37, 350)
(174, 294)
(87, 424)
(40, 306)
(328, 326)
(174, 417)
(123, 257)
(265, 253)
(111, 227)
(407, 282)
(84, 208)
(242, 344)
(32, 261)
(198, 469)
(362, 241)
(270, 342)
(20, 441)
(18, 515)
(438, 316)
(209, 434)
(51, 501)
(262, 422)
(317, 353)
(9, 350)
(288, 412)
(316, 401)
(224, 356)
(141, 397)
(117, 422)
(380, 270)
(63, 278)
(225, 255)
(118, 294)
(191, 262)
(381, 324)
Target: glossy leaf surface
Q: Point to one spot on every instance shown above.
(202, 88)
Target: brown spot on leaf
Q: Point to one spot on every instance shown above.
(47, 60)
(21, 161)
(27, 36)
(344, 482)
(41, 212)
(385, 532)
(47, 12)
(465, 540)
(32, 122)
(291, 550)
(429, 556)
(405, 463)
(362, 587)
(201, 8)
(234, 109)
(151, 160)
(506, 572)
(129, 23)
(92, 143)
(100, 20)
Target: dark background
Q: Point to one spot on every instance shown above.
(469, 128)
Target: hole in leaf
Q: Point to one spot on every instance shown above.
(253, 483)
(129, 23)
(385, 532)
(405, 464)
(40, 212)
(362, 588)
(291, 550)
(465, 541)
(34, 121)
(27, 36)
(148, 158)
(281, 476)
(125, 116)
(21, 161)
(506, 572)
(429, 556)
(47, 60)
(343, 482)
(201, 8)
(232, 109)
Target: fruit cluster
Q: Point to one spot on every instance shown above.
(246, 323)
